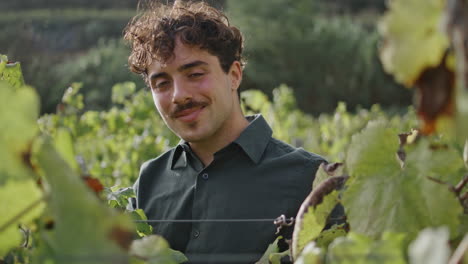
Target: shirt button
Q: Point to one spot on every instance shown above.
(196, 233)
(205, 176)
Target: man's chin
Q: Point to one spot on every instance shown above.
(192, 138)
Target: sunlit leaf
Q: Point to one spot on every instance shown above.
(155, 250)
(63, 143)
(312, 254)
(19, 108)
(121, 91)
(312, 223)
(17, 196)
(11, 72)
(328, 235)
(357, 248)
(85, 231)
(143, 228)
(430, 247)
(413, 40)
(383, 196)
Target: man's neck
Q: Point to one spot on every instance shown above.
(205, 150)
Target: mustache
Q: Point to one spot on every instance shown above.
(191, 104)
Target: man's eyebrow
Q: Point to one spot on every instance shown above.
(191, 65)
(158, 75)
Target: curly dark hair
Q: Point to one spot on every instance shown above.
(152, 34)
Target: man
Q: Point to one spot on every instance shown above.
(226, 166)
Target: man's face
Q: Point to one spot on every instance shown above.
(194, 96)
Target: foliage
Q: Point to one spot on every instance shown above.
(51, 213)
(407, 32)
(98, 70)
(406, 196)
(324, 59)
(58, 4)
(402, 190)
(112, 144)
(397, 195)
(44, 40)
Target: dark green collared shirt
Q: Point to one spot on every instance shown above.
(254, 177)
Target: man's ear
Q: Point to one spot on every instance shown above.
(235, 73)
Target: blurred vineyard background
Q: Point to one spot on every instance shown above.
(326, 51)
(313, 70)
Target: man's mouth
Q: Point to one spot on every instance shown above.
(189, 115)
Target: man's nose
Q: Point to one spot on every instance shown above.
(181, 92)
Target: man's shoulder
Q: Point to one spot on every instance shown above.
(278, 147)
(162, 161)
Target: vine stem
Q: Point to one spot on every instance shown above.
(460, 251)
(21, 213)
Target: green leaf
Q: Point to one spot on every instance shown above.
(19, 108)
(430, 247)
(85, 230)
(11, 72)
(119, 198)
(155, 249)
(255, 100)
(121, 91)
(143, 229)
(328, 235)
(72, 98)
(20, 202)
(311, 255)
(272, 248)
(313, 222)
(326, 171)
(413, 40)
(360, 249)
(383, 196)
(64, 145)
(275, 258)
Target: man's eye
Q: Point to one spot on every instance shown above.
(196, 74)
(162, 84)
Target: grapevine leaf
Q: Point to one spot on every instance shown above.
(255, 101)
(72, 98)
(155, 249)
(120, 197)
(64, 145)
(328, 235)
(11, 72)
(19, 109)
(311, 255)
(382, 196)
(85, 230)
(357, 248)
(143, 228)
(412, 39)
(326, 171)
(430, 247)
(313, 222)
(272, 248)
(13, 202)
(275, 258)
(121, 91)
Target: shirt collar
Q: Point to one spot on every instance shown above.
(253, 141)
(255, 137)
(179, 155)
